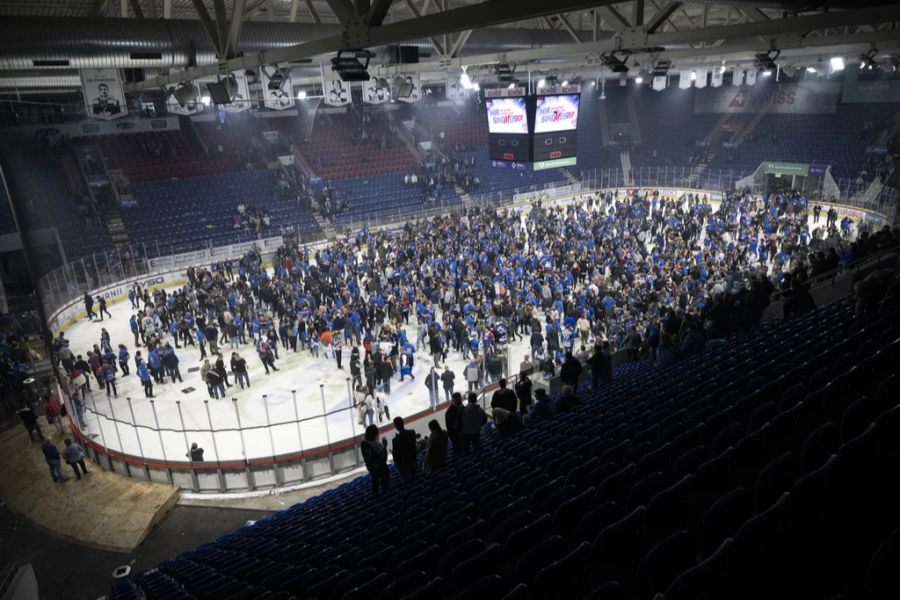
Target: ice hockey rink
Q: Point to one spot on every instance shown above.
(280, 413)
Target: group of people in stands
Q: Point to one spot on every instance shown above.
(250, 219)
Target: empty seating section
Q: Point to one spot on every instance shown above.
(669, 126)
(158, 155)
(335, 149)
(381, 195)
(47, 201)
(495, 181)
(195, 212)
(839, 139)
(761, 468)
(464, 125)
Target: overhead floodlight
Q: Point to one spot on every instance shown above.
(837, 63)
(661, 67)
(301, 95)
(766, 60)
(639, 80)
(475, 86)
(542, 83)
(185, 93)
(810, 69)
(614, 63)
(867, 60)
(205, 100)
(352, 65)
(565, 82)
(693, 75)
(504, 73)
(766, 73)
(512, 85)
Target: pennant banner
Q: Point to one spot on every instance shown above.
(337, 91)
(701, 78)
(374, 93)
(716, 79)
(737, 77)
(241, 100)
(183, 99)
(751, 77)
(103, 94)
(278, 91)
(411, 91)
(684, 80)
(659, 83)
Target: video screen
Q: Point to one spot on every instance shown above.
(507, 115)
(556, 113)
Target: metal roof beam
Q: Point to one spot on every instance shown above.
(663, 14)
(613, 17)
(379, 12)
(343, 9)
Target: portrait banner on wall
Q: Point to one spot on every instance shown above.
(278, 91)
(336, 91)
(411, 90)
(374, 93)
(104, 97)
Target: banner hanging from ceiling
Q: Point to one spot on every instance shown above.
(241, 100)
(659, 83)
(336, 91)
(374, 93)
(455, 89)
(716, 79)
(411, 91)
(737, 77)
(751, 77)
(700, 82)
(104, 97)
(684, 79)
(278, 91)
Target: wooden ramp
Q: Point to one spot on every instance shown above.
(103, 510)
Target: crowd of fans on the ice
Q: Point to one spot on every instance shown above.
(653, 277)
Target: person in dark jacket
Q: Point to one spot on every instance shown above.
(403, 447)
(29, 421)
(504, 398)
(51, 455)
(470, 423)
(523, 393)
(89, 306)
(451, 419)
(436, 450)
(567, 400)
(543, 406)
(375, 456)
(571, 370)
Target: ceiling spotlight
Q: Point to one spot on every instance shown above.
(810, 69)
(351, 65)
(639, 80)
(661, 67)
(504, 73)
(565, 82)
(614, 63)
(766, 73)
(206, 100)
(542, 83)
(837, 63)
(512, 85)
(766, 60)
(475, 86)
(693, 75)
(465, 81)
(867, 60)
(301, 95)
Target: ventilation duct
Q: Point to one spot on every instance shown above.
(77, 43)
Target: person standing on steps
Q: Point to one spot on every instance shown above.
(73, 454)
(472, 419)
(51, 455)
(374, 454)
